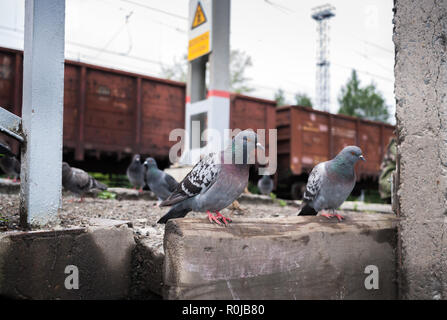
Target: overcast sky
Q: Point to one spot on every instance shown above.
(279, 35)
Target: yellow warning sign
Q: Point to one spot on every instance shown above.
(199, 16)
(199, 46)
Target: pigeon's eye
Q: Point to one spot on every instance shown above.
(353, 153)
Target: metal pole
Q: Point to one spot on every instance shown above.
(42, 113)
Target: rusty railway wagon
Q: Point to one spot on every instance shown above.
(307, 137)
(111, 114)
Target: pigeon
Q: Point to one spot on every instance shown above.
(10, 166)
(215, 181)
(8, 162)
(265, 185)
(135, 173)
(330, 183)
(160, 183)
(78, 181)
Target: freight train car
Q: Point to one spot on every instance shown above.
(307, 137)
(111, 114)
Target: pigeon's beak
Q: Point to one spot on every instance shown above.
(362, 158)
(260, 146)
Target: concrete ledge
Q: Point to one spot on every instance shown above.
(347, 205)
(147, 270)
(131, 194)
(9, 187)
(32, 264)
(280, 258)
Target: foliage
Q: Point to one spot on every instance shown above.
(366, 103)
(280, 97)
(239, 62)
(252, 188)
(112, 180)
(107, 195)
(370, 196)
(281, 202)
(176, 71)
(303, 99)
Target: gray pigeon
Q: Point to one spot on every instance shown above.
(8, 162)
(215, 181)
(330, 183)
(78, 181)
(10, 166)
(135, 172)
(265, 185)
(160, 183)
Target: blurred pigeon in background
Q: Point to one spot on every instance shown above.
(330, 183)
(135, 173)
(10, 166)
(265, 185)
(160, 183)
(213, 184)
(78, 181)
(8, 162)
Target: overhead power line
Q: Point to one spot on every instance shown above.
(155, 9)
(364, 72)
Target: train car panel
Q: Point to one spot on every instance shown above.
(369, 140)
(6, 80)
(307, 137)
(71, 104)
(252, 113)
(163, 110)
(314, 130)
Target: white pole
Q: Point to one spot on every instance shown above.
(42, 112)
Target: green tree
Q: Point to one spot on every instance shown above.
(239, 62)
(280, 97)
(366, 103)
(303, 99)
(177, 71)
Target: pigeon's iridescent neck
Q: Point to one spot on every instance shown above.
(342, 167)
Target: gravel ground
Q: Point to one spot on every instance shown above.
(142, 213)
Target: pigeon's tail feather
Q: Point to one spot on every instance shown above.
(175, 212)
(307, 210)
(99, 185)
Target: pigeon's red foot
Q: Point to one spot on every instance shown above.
(330, 215)
(212, 218)
(224, 219)
(140, 190)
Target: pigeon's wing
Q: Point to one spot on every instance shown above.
(80, 179)
(171, 182)
(200, 178)
(314, 183)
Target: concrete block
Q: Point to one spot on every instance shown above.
(9, 187)
(33, 264)
(420, 29)
(147, 270)
(131, 194)
(280, 258)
